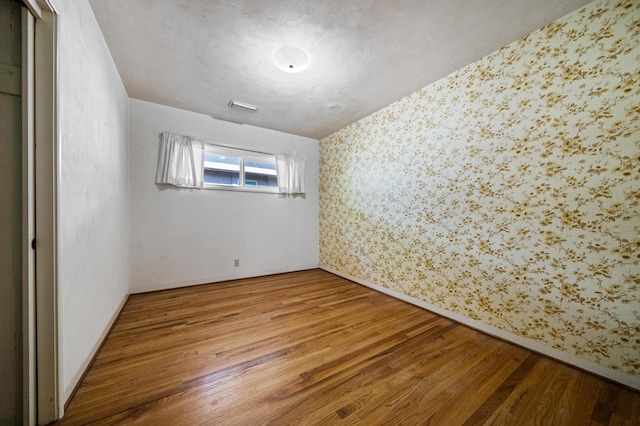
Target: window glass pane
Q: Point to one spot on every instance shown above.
(260, 173)
(241, 169)
(221, 169)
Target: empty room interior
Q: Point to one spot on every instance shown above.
(326, 212)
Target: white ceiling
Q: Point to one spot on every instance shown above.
(365, 54)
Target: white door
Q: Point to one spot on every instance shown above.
(28, 355)
(41, 145)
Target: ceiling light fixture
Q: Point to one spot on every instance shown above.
(244, 105)
(291, 59)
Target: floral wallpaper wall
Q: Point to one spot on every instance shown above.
(509, 191)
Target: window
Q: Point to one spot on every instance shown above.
(186, 162)
(239, 169)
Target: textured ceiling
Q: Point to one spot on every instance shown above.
(365, 54)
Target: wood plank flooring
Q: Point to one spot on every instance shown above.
(311, 348)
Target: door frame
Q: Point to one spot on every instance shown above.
(29, 382)
(42, 398)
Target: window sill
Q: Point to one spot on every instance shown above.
(240, 189)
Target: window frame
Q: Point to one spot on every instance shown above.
(244, 155)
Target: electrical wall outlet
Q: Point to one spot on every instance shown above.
(236, 262)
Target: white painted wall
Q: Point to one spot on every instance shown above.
(181, 237)
(93, 189)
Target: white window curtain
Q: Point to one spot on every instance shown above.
(291, 170)
(180, 162)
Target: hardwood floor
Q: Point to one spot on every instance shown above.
(310, 348)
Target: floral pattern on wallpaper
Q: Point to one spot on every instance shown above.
(509, 191)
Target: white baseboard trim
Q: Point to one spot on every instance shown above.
(146, 288)
(69, 391)
(533, 345)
